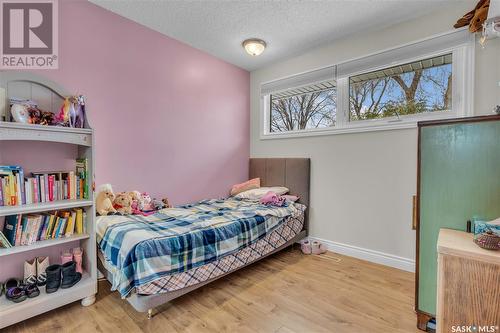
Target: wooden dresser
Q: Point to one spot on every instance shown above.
(468, 292)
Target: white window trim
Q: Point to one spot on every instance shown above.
(462, 98)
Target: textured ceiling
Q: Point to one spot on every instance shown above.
(289, 27)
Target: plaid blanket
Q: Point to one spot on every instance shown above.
(141, 249)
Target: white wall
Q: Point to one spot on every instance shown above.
(362, 183)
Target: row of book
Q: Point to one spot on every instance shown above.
(22, 230)
(16, 190)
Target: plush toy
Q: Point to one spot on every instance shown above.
(145, 202)
(123, 203)
(475, 18)
(166, 203)
(40, 117)
(157, 204)
(135, 196)
(104, 200)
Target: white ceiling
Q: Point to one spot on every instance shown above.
(289, 27)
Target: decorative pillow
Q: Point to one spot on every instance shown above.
(258, 193)
(248, 185)
(291, 198)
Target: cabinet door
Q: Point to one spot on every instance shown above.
(459, 179)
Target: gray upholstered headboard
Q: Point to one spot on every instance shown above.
(293, 173)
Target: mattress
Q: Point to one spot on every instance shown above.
(140, 250)
(290, 228)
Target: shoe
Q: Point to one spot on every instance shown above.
(78, 256)
(16, 294)
(41, 265)
(305, 246)
(30, 271)
(31, 290)
(70, 276)
(318, 248)
(53, 282)
(66, 256)
(10, 283)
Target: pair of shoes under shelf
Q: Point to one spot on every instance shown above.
(34, 271)
(62, 276)
(17, 292)
(75, 255)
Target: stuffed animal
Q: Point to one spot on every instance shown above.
(135, 196)
(475, 18)
(145, 202)
(104, 200)
(166, 203)
(157, 204)
(123, 203)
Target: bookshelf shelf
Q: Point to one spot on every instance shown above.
(11, 312)
(42, 244)
(18, 131)
(45, 206)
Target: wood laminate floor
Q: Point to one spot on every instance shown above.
(287, 292)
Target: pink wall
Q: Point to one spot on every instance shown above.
(169, 119)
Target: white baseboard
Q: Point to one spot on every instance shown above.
(368, 255)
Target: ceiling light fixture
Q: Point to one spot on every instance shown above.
(254, 46)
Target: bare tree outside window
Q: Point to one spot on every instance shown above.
(419, 87)
(315, 109)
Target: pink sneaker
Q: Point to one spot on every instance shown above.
(317, 248)
(78, 256)
(305, 246)
(66, 256)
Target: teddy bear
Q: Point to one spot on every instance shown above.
(145, 202)
(123, 203)
(104, 200)
(157, 204)
(166, 203)
(475, 18)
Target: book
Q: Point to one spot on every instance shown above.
(4, 242)
(82, 172)
(70, 228)
(10, 228)
(79, 221)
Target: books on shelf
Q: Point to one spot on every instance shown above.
(27, 229)
(41, 187)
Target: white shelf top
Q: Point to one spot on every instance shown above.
(26, 132)
(42, 244)
(11, 312)
(45, 206)
(60, 129)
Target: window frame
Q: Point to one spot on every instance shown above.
(462, 96)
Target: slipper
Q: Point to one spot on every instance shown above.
(305, 246)
(318, 248)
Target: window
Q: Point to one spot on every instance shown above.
(396, 88)
(418, 87)
(308, 107)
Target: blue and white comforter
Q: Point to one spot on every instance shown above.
(140, 249)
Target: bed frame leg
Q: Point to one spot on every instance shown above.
(150, 314)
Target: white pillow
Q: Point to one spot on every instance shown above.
(258, 193)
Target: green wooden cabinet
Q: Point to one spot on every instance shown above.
(458, 179)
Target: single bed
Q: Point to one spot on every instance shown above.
(148, 261)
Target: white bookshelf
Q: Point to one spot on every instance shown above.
(44, 206)
(49, 97)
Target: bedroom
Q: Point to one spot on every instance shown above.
(174, 106)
